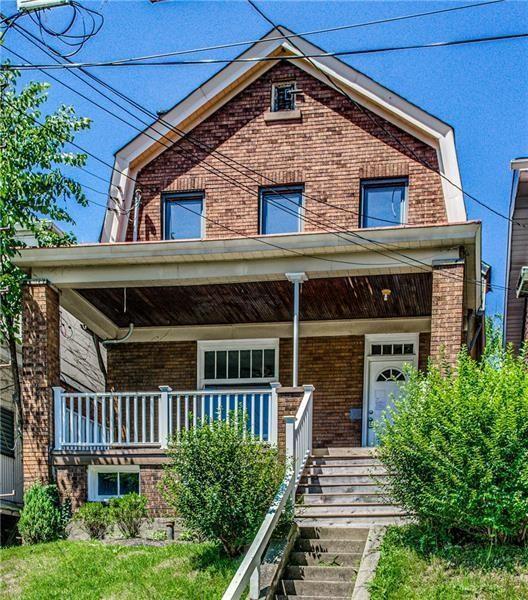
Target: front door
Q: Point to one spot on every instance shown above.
(385, 379)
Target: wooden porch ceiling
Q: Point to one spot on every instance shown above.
(333, 298)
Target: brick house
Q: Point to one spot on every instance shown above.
(268, 229)
(516, 294)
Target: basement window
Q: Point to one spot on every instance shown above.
(383, 202)
(283, 96)
(105, 482)
(183, 216)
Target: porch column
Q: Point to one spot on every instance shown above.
(448, 310)
(297, 280)
(40, 373)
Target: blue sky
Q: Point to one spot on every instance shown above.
(481, 89)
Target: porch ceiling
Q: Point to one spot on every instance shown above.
(357, 297)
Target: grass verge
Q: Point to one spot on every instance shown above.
(411, 568)
(90, 570)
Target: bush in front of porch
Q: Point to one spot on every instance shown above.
(456, 447)
(221, 481)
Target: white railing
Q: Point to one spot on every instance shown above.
(298, 448)
(130, 419)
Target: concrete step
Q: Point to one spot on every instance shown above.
(354, 452)
(334, 533)
(295, 597)
(330, 547)
(374, 470)
(332, 559)
(354, 522)
(361, 461)
(316, 499)
(321, 589)
(343, 478)
(339, 488)
(318, 573)
(345, 510)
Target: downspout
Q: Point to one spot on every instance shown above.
(297, 280)
(120, 340)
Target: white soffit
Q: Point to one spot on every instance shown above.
(233, 78)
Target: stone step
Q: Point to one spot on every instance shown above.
(295, 597)
(321, 589)
(334, 533)
(316, 547)
(344, 451)
(316, 499)
(317, 573)
(343, 478)
(362, 461)
(350, 510)
(352, 522)
(332, 559)
(374, 470)
(339, 488)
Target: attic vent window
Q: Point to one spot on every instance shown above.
(283, 96)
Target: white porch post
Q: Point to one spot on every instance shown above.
(290, 437)
(57, 417)
(297, 280)
(274, 415)
(164, 415)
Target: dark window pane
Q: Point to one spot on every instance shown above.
(107, 484)
(397, 349)
(281, 211)
(269, 363)
(387, 348)
(183, 218)
(376, 349)
(232, 367)
(256, 363)
(383, 204)
(221, 364)
(209, 367)
(7, 432)
(284, 99)
(408, 349)
(245, 358)
(128, 482)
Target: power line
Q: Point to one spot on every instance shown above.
(263, 59)
(309, 33)
(379, 124)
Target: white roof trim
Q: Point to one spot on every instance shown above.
(236, 76)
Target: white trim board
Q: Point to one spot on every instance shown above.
(233, 78)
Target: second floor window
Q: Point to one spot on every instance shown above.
(283, 96)
(281, 209)
(183, 216)
(383, 202)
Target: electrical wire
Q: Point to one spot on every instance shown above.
(262, 59)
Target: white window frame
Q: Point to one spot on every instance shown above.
(282, 189)
(182, 196)
(93, 472)
(247, 344)
(380, 182)
(387, 338)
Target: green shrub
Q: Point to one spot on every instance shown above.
(222, 483)
(457, 448)
(128, 513)
(94, 518)
(43, 518)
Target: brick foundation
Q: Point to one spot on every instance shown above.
(40, 372)
(72, 482)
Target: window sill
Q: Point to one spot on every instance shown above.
(282, 115)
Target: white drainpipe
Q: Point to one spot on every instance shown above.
(297, 280)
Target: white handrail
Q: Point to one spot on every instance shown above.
(298, 448)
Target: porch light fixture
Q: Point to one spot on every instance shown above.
(386, 293)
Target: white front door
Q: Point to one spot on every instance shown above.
(385, 381)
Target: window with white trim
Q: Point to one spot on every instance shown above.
(106, 481)
(283, 96)
(235, 362)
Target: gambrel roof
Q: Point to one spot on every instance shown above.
(236, 76)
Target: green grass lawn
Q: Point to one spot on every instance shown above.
(89, 570)
(451, 573)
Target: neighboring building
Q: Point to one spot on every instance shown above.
(516, 295)
(293, 236)
(79, 371)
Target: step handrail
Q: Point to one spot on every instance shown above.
(298, 448)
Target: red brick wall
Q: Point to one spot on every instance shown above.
(150, 479)
(447, 314)
(72, 482)
(330, 151)
(40, 372)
